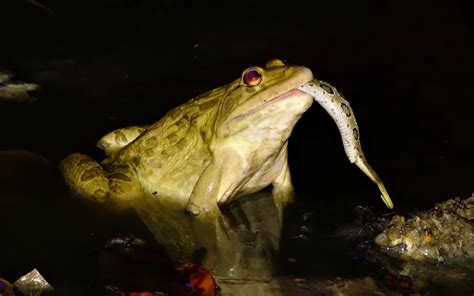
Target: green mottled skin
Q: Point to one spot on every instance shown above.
(225, 143)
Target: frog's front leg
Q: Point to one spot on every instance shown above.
(283, 190)
(119, 138)
(220, 180)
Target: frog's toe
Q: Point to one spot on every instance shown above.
(100, 194)
(193, 209)
(85, 176)
(203, 209)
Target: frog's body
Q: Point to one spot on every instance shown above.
(222, 144)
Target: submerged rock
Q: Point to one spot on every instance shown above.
(426, 251)
(131, 266)
(33, 284)
(442, 233)
(16, 92)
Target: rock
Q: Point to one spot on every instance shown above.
(16, 92)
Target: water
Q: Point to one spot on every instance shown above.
(104, 65)
(48, 229)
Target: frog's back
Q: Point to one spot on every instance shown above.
(170, 155)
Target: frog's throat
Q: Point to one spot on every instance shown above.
(341, 112)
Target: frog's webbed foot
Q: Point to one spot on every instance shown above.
(84, 176)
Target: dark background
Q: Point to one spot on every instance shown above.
(406, 67)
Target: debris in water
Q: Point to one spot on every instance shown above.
(32, 284)
(131, 266)
(6, 289)
(16, 92)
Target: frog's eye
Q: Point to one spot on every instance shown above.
(252, 77)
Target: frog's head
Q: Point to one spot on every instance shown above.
(254, 96)
(267, 102)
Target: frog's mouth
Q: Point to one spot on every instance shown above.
(341, 112)
(286, 95)
(276, 91)
(240, 122)
(291, 93)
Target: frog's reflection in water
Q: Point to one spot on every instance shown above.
(240, 241)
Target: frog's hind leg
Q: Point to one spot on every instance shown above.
(85, 177)
(124, 185)
(88, 179)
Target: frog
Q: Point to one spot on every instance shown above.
(217, 147)
(115, 140)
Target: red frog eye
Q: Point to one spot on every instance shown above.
(252, 77)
